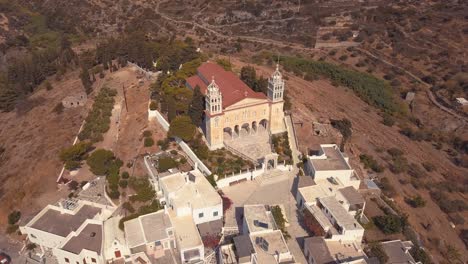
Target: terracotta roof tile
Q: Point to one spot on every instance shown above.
(232, 88)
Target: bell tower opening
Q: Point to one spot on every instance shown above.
(276, 86)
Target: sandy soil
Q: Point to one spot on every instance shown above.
(369, 135)
(33, 136)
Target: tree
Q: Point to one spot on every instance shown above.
(416, 201)
(388, 224)
(196, 107)
(248, 76)
(86, 80)
(149, 142)
(14, 217)
(171, 109)
(225, 64)
(166, 163)
(73, 155)
(376, 250)
(420, 255)
(183, 128)
(103, 162)
(153, 106)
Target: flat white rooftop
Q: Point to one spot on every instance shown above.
(186, 232)
(323, 188)
(258, 218)
(342, 217)
(331, 158)
(327, 251)
(147, 228)
(268, 245)
(191, 188)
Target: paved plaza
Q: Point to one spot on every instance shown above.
(271, 189)
(255, 145)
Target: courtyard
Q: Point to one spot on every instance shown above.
(273, 188)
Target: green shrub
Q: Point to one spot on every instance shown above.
(163, 144)
(153, 106)
(388, 120)
(370, 89)
(376, 250)
(388, 224)
(128, 206)
(123, 183)
(420, 255)
(166, 163)
(370, 162)
(14, 217)
(212, 180)
(149, 142)
(147, 133)
(103, 162)
(98, 119)
(142, 187)
(74, 155)
(280, 220)
(416, 201)
(125, 175)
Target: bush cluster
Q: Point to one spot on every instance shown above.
(98, 120)
(372, 90)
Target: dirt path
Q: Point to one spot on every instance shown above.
(295, 46)
(430, 94)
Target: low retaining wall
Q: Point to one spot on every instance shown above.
(155, 114)
(163, 122)
(245, 176)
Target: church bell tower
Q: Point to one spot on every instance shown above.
(213, 122)
(275, 96)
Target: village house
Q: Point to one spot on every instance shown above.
(152, 234)
(260, 242)
(194, 208)
(332, 165)
(75, 232)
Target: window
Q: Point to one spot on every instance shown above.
(67, 260)
(33, 236)
(93, 260)
(215, 213)
(200, 215)
(117, 254)
(169, 232)
(157, 243)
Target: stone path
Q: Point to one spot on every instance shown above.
(254, 146)
(292, 139)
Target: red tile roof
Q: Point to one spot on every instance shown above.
(231, 87)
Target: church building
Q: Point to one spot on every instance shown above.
(234, 110)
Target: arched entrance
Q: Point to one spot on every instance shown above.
(270, 161)
(228, 133)
(263, 125)
(236, 131)
(245, 129)
(254, 127)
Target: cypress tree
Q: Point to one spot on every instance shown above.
(196, 107)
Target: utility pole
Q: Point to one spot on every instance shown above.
(125, 97)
